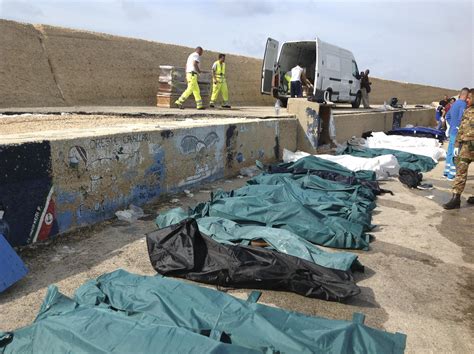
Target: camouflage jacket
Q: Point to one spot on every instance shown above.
(466, 128)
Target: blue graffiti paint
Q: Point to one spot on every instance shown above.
(239, 157)
(65, 220)
(215, 176)
(63, 197)
(105, 209)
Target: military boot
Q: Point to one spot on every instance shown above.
(454, 203)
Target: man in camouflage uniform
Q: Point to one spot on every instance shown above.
(464, 151)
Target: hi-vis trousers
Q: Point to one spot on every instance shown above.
(220, 87)
(193, 88)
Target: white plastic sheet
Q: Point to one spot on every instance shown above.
(415, 145)
(384, 166)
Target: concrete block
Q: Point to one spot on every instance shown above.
(313, 123)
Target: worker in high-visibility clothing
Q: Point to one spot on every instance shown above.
(219, 82)
(288, 80)
(192, 72)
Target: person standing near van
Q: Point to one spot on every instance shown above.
(365, 88)
(192, 72)
(219, 82)
(287, 79)
(297, 77)
(453, 119)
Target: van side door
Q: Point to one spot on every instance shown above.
(269, 66)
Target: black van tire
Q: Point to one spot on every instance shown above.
(356, 103)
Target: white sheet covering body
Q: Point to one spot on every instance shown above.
(415, 145)
(384, 166)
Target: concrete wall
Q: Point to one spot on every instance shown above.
(50, 187)
(25, 73)
(349, 125)
(313, 122)
(383, 90)
(51, 66)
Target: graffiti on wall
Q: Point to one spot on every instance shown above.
(231, 145)
(313, 127)
(203, 151)
(104, 174)
(27, 193)
(397, 120)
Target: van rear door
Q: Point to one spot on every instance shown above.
(317, 79)
(270, 60)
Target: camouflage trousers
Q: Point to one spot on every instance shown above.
(466, 156)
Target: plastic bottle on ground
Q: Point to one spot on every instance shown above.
(277, 107)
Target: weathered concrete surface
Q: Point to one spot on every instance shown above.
(383, 90)
(25, 71)
(50, 123)
(43, 65)
(313, 123)
(349, 122)
(62, 172)
(354, 124)
(151, 111)
(418, 279)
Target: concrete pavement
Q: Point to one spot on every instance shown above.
(418, 279)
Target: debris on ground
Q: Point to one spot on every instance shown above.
(130, 215)
(249, 171)
(188, 193)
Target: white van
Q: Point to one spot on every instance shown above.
(333, 70)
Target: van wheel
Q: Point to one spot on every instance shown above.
(356, 103)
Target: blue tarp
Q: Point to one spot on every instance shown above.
(423, 132)
(12, 268)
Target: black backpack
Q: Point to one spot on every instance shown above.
(410, 178)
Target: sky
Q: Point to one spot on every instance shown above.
(419, 41)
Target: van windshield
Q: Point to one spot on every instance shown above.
(292, 54)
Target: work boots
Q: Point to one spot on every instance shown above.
(454, 203)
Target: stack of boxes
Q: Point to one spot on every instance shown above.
(172, 83)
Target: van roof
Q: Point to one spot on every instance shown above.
(321, 42)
